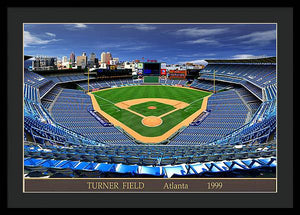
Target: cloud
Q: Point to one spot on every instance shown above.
(51, 34)
(76, 26)
(196, 55)
(200, 61)
(248, 56)
(200, 32)
(259, 38)
(123, 46)
(201, 41)
(30, 40)
(141, 27)
(133, 48)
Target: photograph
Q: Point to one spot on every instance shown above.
(150, 107)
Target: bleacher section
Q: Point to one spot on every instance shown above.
(271, 92)
(161, 161)
(252, 101)
(70, 77)
(48, 99)
(172, 82)
(209, 85)
(227, 113)
(41, 83)
(260, 75)
(101, 84)
(31, 93)
(34, 79)
(71, 110)
(253, 77)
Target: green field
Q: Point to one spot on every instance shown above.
(160, 108)
(107, 98)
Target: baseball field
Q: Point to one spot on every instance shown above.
(149, 111)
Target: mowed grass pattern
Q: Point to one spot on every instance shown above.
(143, 108)
(107, 98)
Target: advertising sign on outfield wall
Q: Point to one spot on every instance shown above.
(140, 66)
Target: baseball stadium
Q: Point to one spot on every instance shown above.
(217, 121)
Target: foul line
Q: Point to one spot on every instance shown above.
(108, 101)
(104, 99)
(197, 100)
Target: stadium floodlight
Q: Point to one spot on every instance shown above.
(88, 79)
(214, 81)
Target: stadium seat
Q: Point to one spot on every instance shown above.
(149, 161)
(87, 158)
(132, 169)
(133, 160)
(167, 161)
(103, 167)
(61, 173)
(182, 160)
(173, 171)
(118, 159)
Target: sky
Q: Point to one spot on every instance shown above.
(170, 43)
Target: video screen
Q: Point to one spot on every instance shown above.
(151, 69)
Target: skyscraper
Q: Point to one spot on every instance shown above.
(92, 60)
(72, 59)
(106, 57)
(103, 57)
(92, 57)
(64, 59)
(81, 61)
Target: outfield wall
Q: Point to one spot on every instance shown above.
(151, 79)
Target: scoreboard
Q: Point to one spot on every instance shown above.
(151, 69)
(177, 74)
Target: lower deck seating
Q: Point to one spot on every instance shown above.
(249, 99)
(48, 99)
(35, 167)
(157, 155)
(71, 111)
(227, 113)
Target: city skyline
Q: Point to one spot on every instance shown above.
(171, 43)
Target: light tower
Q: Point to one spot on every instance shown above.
(215, 81)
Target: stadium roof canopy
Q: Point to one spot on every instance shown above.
(26, 57)
(271, 60)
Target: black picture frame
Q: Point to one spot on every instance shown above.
(16, 16)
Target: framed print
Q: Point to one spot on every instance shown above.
(156, 106)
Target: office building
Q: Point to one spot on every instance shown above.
(81, 61)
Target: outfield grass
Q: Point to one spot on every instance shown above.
(107, 98)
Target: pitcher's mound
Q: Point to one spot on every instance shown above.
(152, 121)
(151, 107)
